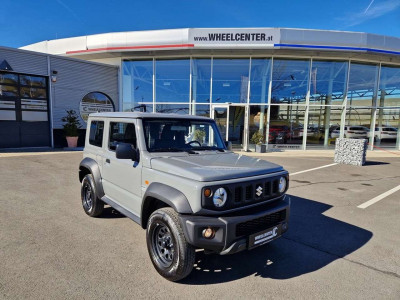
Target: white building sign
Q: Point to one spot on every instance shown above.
(234, 37)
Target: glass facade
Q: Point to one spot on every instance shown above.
(296, 103)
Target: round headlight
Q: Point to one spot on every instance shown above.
(219, 197)
(282, 184)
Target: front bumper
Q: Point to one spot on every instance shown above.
(232, 231)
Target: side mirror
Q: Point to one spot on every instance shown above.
(228, 145)
(126, 151)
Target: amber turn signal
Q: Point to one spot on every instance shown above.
(207, 192)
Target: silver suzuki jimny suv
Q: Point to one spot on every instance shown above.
(175, 176)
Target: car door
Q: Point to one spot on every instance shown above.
(122, 177)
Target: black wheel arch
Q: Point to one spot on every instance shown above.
(89, 166)
(160, 195)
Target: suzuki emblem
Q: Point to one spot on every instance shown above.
(259, 191)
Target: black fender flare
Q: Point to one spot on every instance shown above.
(167, 194)
(91, 165)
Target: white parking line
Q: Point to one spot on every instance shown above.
(378, 198)
(313, 169)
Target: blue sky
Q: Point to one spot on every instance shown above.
(24, 22)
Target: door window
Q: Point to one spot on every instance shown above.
(121, 133)
(96, 133)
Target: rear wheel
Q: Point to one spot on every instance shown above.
(92, 205)
(169, 251)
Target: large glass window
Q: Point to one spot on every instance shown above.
(362, 84)
(323, 125)
(389, 87)
(259, 80)
(290, 81)
(173, 108)
(137, 83)
(328, 82)
(286, 124)
(387, 128)
(201, 80)
(230, 80)
(172, 80)
(257, 122)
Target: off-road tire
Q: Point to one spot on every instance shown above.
(93, 206)
(182, 260)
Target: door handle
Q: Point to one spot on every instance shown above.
(108, 161)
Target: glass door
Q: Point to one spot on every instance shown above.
(220, 114)
(230, 120)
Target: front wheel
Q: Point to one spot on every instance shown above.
(169, 251)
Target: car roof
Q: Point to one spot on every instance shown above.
(145, 115)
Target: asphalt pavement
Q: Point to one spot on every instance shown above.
(50, 249)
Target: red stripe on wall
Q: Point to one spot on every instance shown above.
(131, 48)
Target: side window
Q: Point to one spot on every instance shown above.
(96, 133)
(121, 133)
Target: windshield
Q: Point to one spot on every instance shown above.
(173, 135)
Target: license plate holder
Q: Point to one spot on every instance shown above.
(265, 236)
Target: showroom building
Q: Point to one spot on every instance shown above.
(36, 89)
(300, 88)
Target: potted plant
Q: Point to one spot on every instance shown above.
(71, 128)
(258, 140)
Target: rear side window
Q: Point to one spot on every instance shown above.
(96, 133)
(121, 132)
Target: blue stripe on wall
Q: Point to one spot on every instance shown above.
(337, 48)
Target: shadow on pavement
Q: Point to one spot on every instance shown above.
(111, 213)
(375, 163)
(312, 242)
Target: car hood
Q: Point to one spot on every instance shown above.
(213, 167)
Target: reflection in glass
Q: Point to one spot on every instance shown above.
(286, 124)
(389, 87)
(137, 83)
(202, 110)
(290, 81)
(257, 122)
(323, 125)
(221, 118)
(259, 80)
(172, 80)
(230, 80)
(173, 108)
(236, 125)
(95, 102)
(8, 91)
(201, 79)
(35, 81)
(328, 82)
(8, 78)
(387, 128)
(362, 84)
(35, 93)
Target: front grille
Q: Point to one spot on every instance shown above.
(248, 192)
(259, 224)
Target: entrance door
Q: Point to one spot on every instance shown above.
(24, 112)
(230, 120)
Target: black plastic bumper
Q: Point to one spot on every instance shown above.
(232, 231)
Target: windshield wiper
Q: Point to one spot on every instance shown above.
(172, 149)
